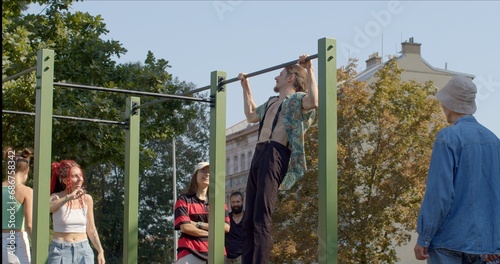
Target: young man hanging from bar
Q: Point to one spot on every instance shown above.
(279, 157)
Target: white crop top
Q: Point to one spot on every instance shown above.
(67, 220)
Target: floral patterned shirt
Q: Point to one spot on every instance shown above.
(296, 123)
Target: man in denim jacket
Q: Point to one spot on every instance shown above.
(460, 215)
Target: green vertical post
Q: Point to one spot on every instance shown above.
(217, 189)
(327, 130)
(42, 156)
(131, 216)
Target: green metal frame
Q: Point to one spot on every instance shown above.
(131, 221)
(42, 157)
(217, 190)
(327, 167)
(327, 178)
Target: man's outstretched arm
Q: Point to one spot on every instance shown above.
(248, 103)
(310, 101)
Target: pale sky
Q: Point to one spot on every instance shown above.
(198, 37)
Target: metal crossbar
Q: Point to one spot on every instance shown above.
(18, 74)
(165, 100)
(248, 75)
(283, 65)
(131, 92)
(68, 117)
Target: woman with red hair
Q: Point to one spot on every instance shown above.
(73, 217)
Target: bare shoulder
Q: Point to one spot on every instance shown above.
(24, 193)
(25, 188)
(28, 191)
(88, 198)
(55, 196)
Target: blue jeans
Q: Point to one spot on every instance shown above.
(15, 248)
(232, 261)
(446, 256)
(70, 253)
(190, 259)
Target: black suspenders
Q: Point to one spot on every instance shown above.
(275, 121)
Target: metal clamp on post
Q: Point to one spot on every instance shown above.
(220, 86)
(212, 100)
(134, 109)
(127, 123)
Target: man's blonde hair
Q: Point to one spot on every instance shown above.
(300, 73)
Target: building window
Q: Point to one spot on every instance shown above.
(227, 166)
(249, 159)
(242, 165)
(235, 164)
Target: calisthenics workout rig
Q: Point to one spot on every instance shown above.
(327, 162)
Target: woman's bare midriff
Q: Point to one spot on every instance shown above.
(69, 237)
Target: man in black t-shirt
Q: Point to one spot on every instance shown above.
(234, 239)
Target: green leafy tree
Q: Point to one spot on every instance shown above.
(82, 56)
(156, 186)
(385, 135)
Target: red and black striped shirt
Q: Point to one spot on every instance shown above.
(190, 208)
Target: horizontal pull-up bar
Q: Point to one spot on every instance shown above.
(248, 75)
(131, 92)
(201, 89)
(280, 66)
(69, 118)
(164, 100)
(18, 74)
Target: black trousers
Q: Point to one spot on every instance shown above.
(268, 168)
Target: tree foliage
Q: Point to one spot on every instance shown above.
(385, 135)
(82, 56)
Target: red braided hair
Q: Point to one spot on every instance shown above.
(61, 180)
